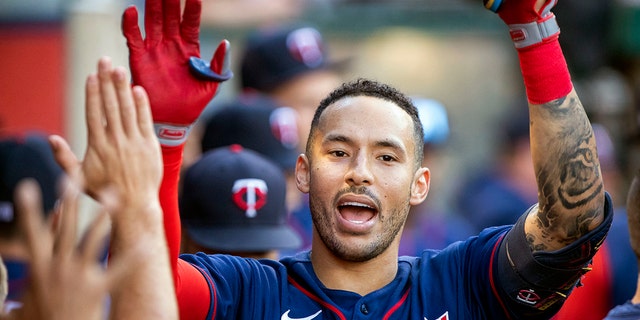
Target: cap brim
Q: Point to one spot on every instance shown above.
(245, 238)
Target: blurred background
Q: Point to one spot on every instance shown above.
(453, 51)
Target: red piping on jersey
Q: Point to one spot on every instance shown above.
(397, 305)
(214, 296)
(493, 283)
(317, 299)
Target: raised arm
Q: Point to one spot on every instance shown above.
(179, 84)
(122, 167)
(570, 188)
(543, 257)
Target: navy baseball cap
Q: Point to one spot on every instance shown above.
(275, 55)
(233, 199)
(257, 124)
(21, 158)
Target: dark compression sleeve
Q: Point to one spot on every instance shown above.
(537, 284)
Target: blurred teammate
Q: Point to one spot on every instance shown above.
(21, 158)
(631, 309)
(233, 202)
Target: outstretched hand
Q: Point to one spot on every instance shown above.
(161, 64)
(122, 152)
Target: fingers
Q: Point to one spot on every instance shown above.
(125, 100)
(153, 21)
(94, 243)
(93, 110)
(190, 28)
(130, 28)
(28, 205)
(219, 65)
(220, 60)
(171, 13)
(63, 155)
(118, 105)
(145, 118)
(110, 103)
(66, 238)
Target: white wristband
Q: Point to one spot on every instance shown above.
(171, 135)
(528, 34)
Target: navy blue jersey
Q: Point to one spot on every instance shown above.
(490, 276)
(454, 283)
(626, 311)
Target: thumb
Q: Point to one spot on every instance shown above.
(218, 70)
(63, 155)
(220, 61)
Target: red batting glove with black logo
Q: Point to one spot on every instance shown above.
(167, 64)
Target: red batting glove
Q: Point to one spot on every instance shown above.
(527, 26)
(167, 64)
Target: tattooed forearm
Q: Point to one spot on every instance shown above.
(568, 174)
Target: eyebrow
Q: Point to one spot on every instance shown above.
(387, 143)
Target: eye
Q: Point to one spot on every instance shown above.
(338, 153)
(387, 158)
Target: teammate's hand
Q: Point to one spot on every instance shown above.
(166, 63)
(122, 150)
(66, 281)
(525, 11)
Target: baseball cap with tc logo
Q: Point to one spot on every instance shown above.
(233, 199)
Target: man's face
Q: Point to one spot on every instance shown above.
(361, 176)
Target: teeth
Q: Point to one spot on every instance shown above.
(356, 204)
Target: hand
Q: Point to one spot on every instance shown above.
(122, 152)
(525, 11)
(66, 281)
(161, 64)
(530, 21)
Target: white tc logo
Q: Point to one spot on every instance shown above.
(305, 45)
(284, 126)
(250, 195)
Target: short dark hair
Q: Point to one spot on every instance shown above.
(372, 88)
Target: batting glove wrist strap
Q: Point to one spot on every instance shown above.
(171, 135)
(529, 34)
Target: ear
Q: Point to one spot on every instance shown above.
(302, 173)
(420, 186)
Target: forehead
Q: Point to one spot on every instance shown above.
(367, 117)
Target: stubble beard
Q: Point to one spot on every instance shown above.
(393, 222)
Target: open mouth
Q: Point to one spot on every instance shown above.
(356, 212)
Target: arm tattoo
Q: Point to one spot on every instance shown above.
(568, 174)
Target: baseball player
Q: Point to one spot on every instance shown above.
(362, 171)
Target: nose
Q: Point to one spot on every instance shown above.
(359, 172)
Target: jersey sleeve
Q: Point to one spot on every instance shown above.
(238, 288)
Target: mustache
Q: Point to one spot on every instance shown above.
(362, 190)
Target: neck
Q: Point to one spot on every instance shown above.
(359, 277)
(636, 297)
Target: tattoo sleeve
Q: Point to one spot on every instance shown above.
(570, 187)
